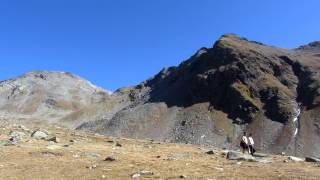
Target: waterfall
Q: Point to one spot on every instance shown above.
(295, 119)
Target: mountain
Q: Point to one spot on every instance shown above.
(212, 98)
(237, 85)
(54, 97)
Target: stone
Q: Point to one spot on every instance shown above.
(296, 159)
(118, 144)
(110, 158)
(142, 173)
(234, 155)
(15, 136)
(54, 139)
(312, 159)
(146, 173)
(6, 143)
(211, 152)
(135, 175)
(39, 135)
(183, 177)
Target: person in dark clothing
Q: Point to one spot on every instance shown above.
(244, 142)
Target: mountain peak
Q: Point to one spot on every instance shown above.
(315, 45)
(235, 40)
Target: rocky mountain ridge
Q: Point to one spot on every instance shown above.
(237, 85)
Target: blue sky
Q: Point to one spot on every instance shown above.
(116, 43)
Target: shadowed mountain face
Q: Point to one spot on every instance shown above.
(237, 85)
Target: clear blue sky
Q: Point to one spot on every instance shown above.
(116, 43)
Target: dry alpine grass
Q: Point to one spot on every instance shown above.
(81, 155)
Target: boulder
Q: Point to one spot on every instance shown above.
(39, 135)
(234, 155)
(296, 159)
(312, 159)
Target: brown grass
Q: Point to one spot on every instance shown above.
(32, 160)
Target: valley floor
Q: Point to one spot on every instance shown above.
(80, 155)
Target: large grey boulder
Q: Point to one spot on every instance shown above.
(39, 135)
(234, 155)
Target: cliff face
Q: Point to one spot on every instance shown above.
(237, 85)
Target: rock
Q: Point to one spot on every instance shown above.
(146, 173)
(312, 159)
(39, 135)
(283, 153)
(54, 139)
(234, 155)
(296, 159)
(142, 173)
(20, 126)
(183, 177)
(118, 144)
(136, 175)
(6, 143)
(15, 136)
(211, 152)
(110, 158)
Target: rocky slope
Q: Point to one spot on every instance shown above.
(237, 85)
(55, 97)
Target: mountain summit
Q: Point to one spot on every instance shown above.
(55, 97)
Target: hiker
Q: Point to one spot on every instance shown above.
(251, 144)
(244, 142)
